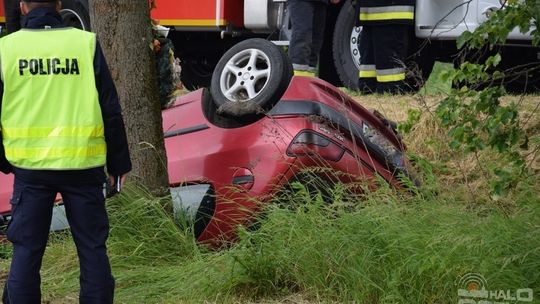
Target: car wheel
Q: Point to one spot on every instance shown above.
(345, 47)
(74, 14)
(250, 78)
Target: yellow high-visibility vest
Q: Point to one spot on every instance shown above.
(51, 117)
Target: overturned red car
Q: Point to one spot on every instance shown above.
(232, 147)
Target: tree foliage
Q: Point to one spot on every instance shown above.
(473, 112)
(523, 15)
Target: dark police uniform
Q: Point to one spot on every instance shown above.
(308, 19)
(61, 124)
(383, 43)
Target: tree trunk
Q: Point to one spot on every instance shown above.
(124, 30)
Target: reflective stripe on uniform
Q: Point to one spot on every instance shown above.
(387, 13)
(367, 71)
(387, 9)
(303, 73)
(390, 75)
(367, 74)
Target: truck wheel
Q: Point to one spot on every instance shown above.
(250, 78)
(74, 14)
(345, 47)
(196, 73)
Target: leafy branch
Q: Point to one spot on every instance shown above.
(473, 113)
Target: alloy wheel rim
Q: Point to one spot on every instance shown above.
(245, 75)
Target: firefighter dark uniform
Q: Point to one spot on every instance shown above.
(12, 13)
(61, 124)
(386, 25)
(307, 23)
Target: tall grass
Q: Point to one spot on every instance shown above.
(390, 247)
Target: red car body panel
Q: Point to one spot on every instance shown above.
(6, 188)
(202, 152)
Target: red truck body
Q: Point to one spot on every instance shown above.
(205, 13)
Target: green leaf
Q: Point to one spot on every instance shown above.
(494, 60)
(463, 39)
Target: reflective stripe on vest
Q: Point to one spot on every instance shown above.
(381, 13)
(51, 117)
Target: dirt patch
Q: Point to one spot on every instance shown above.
(68, 299)
(239, 109)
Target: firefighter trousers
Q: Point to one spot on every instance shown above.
(28, 230)
(383, 50)
(307, 22)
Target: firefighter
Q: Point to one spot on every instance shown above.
(386, 25)
(307, 24)
(61, 124)
(13, 15)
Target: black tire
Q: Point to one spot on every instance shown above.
(234, 81)
(196, 73)
(346, 34)
(75, 14)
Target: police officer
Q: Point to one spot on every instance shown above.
(383, 44)
(61, 124)
(307, 21)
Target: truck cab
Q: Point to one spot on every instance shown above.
(448, 19)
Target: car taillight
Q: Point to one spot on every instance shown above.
(311, 143)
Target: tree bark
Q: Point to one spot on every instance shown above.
(124, 30)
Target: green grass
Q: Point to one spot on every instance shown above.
(389, 248)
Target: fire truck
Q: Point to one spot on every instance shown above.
(204, 30)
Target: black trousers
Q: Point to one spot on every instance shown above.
(307, 20)
(28, 230)
(383, 50)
